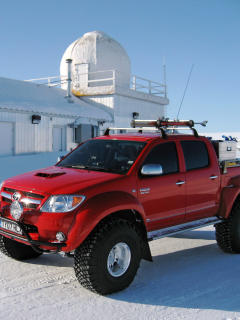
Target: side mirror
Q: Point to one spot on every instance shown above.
(152, 170)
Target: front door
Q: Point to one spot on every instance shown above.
(163, 197)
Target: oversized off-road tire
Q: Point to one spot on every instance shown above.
(108, 259)
(228, 232)
(17, 250)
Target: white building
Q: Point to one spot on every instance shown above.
(101, 76)
(39, 118)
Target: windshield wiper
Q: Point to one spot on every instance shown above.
(78, 166)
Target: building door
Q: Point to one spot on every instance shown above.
(81, 75)
(58, 139)
(83, 133)
(6, 139)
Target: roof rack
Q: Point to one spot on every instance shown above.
(161, 124)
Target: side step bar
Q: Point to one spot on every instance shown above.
(161, 233)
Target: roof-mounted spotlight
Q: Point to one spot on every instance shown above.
(36, 119)
(135, 115)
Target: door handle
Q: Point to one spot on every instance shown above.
(213, 177)
(180, 183)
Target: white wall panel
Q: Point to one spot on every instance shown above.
(7, 141)
(104, 102)
(34, 138)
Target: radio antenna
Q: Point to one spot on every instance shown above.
(185, 91)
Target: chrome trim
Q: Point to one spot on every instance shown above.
(13, 236)
(175, 215)
(11, 222)
(180, 183)
(29, 200)
(200, 209)
(166, 232)
(179, 214)
(152, 170)
(119, 259)
(6, 195)
(16, 196)
(213, 177)
(145, 190)
(25, 200)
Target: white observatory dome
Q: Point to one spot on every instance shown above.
(95, 52)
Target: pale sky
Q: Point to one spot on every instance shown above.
(35, 34)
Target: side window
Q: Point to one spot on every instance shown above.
(164, 154)
(195, 154)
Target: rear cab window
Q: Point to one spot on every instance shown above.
(195, 154)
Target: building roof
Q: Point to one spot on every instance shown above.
(21, 96)
(100, 52)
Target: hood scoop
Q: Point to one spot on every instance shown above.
(49, 175)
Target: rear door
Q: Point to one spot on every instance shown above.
(202, 180)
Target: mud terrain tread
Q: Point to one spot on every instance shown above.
(228, 232)
(87, 254)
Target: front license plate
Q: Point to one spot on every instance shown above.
(9, 225)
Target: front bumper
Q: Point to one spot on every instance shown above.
(26, 238)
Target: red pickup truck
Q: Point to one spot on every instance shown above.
(104, 202)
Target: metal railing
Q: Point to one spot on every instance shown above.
(149, 86)
(50, 82)
(111, 78)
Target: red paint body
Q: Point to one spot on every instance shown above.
(166, 204)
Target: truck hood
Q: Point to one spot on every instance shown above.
(57, 180)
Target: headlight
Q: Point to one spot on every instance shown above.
(62, 203)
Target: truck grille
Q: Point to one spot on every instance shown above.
(28, 194)
(29, 200)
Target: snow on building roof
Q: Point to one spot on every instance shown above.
(16, 95)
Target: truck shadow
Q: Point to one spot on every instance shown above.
(196, 234)
(188, 271)
(203, 277)
(54, 260)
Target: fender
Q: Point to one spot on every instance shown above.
(97, 208)
(229, 196)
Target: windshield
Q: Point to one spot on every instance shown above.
(115, 156)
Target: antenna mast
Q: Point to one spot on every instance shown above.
(185, 91)
(164, 73)
(165, 83)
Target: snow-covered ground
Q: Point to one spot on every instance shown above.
(190, 278)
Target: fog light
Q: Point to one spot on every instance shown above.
(60, 236)
(16, 210)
